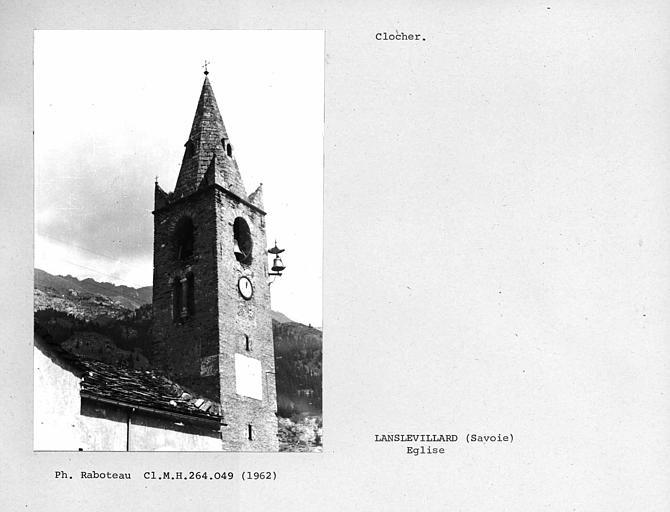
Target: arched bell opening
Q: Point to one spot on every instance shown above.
(242, 243)
(183, 239)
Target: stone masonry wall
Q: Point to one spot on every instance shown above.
(239, 318)
(199, 352)
(187, 349)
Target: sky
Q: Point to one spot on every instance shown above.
(113, 110)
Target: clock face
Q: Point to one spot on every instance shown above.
(245, 287)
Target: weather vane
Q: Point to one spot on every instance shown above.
(205, 66)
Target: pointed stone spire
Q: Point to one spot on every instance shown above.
(256, 197)
(208, 139)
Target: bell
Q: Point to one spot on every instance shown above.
(278, 265)
(236, 249)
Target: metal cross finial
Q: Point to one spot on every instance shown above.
(205, 66)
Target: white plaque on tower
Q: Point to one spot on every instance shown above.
(248, 379)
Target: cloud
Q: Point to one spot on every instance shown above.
(104, 130)
(97, 200)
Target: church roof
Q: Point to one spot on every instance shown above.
(149, 390)
(208, 141)
(146, 389)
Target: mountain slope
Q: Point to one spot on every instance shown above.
(87, 296)
(298, 357)
(113, 323)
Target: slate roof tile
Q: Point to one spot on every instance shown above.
(130, 387)
(144, 388)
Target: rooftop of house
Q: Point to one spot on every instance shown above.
(147, 390)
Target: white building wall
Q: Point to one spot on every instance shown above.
(150, 434)
(62, 423)
(56, 406)
(58, 423)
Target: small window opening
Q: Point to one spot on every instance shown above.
(190, 149)
(183, 297)
(247, 343)
(242, 243)
(229, 150)
(183, 238)
(251, 432)
(176, 300)
(190, 295)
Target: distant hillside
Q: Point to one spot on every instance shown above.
(113, 324)
(298, 357)
(279, 317)
(87, 298)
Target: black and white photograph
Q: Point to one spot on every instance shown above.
(335, 256)
(178, 211)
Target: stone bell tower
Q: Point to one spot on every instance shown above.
(211, 300)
